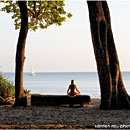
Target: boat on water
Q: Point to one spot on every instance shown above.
(33, 72)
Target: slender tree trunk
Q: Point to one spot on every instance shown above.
(113, 93)
(19, 90)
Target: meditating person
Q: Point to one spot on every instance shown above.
(72, 88)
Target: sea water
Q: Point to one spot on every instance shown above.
(57, 83)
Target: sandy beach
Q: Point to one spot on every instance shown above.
(63, 117)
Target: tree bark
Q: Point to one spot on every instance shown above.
(19, 90)
(113, 93)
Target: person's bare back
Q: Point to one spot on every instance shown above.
(72, 88)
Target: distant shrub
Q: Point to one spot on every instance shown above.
(26, 91)
(6, 87)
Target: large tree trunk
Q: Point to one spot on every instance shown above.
(113, 93)
(19, 90)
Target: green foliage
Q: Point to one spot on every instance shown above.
(6, 87)
(27, 91)
(41, 14)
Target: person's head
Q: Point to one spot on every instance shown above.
(72, 82)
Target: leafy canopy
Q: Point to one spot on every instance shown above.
(41, 14)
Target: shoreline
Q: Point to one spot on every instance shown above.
(62, 117)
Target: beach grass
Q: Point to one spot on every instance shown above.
(6, 87)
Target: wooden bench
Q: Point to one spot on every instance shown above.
(57, 100)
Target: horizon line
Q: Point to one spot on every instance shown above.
(59, 71)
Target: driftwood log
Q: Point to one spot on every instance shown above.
(57, 100)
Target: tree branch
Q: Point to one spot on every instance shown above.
(35, 9)
(31, 12)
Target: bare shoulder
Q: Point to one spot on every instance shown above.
(75, 86)
(69, 86)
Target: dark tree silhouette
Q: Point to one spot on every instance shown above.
(19, 90)
(31, 15)
(113, 92)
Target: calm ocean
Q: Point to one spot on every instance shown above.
(53, 83)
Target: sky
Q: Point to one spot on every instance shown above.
(66, 48)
